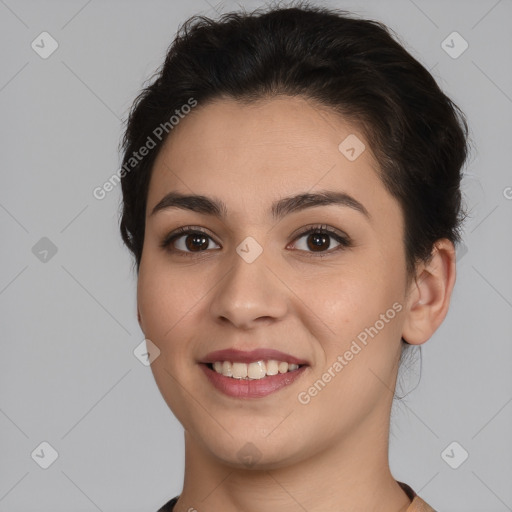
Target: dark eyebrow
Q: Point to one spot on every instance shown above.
(217, 208)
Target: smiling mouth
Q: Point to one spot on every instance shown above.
(252, 371)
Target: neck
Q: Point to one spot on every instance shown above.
(353, 475)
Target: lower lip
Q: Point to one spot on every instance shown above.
(254, 388)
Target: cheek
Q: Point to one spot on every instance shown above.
(361, 307)
(165, 296)
(173, 301)
(352, 299)
(167, 300)
(356, 369)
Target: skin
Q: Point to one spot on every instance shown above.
(331, 453)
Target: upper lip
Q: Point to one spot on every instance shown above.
(259, 354)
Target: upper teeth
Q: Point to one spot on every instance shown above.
(256, 370)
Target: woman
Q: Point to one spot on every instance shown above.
(291, 198)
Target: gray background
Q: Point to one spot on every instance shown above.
(68, 375)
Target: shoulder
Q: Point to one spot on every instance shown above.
(418, 505)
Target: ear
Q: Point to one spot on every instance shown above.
(429, 294)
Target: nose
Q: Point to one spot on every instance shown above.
(250, 294)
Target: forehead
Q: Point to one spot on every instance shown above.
(251, 154)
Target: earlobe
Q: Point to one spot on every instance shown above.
(429, 294)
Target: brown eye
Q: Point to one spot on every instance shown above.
(320, 240)
(195, 241)
(187, 240)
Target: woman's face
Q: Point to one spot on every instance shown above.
(254, 281)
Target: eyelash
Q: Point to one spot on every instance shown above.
(343, 240)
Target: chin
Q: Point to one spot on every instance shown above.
(248, 450)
